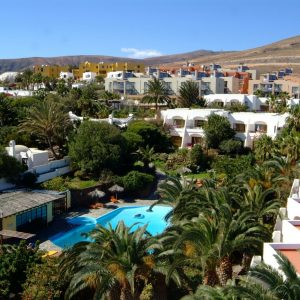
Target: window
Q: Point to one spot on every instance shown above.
(240, 127)
(199, 123)
(30, 220)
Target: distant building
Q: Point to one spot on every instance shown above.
(38, 162)
(8, 76)
(28, 211)
(103, 68)
(66, 75)
(51, 71)
(186, 125)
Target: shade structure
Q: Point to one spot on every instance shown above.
(184, 170)
(116, 189)
(96, 194)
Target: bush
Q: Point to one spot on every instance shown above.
(231, 147)
(137, 182)
(217, 129)
(56, 184)
(151, 134)
(232, 166)
(98, 146)
(14, 263)
(10, 168)
(198, 160)
(178, 159)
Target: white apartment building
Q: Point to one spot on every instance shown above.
(66, 75)
(125, 83)
(186, 125)
(253, 102)
(37, 162)
(286, 235)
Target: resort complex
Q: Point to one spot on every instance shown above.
(148, 172)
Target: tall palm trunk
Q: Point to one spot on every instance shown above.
(52, 148)
(126, 291)
(246, 261)
(225, 270)
(211, 277)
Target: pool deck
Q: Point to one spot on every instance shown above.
(61, 224)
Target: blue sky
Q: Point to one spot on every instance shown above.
(141, 28)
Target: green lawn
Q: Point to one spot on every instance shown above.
(202, 175)
(76, 183)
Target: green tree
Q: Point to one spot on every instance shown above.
(43, 281)
(8, 114)
(10, 168)
(135, 182)
(293, 120)
(217, 129)
(97, 146)
(26, 78)
(49, 123)
(231, 147)
(151, 134)
(264, 148)
(188, 94)
(157, 93)
(118, 263)
(270, 283)
(14, 264)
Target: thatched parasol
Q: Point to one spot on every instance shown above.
(116, 189)
(96, 194)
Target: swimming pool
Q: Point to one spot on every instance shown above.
(130, 215)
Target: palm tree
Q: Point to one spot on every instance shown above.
(157, 93)
(188, 94)
(264, 148)
(146, 155)
(118, 262)
(293, 121)
(208, 242)
(172, 191)
(283, 283)
(48, 122)
(290, 145)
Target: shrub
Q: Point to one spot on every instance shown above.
(97, 146)
(232, 146)
(232, 166)
(136, 182)
(198, 160)
(56, 184)
(151, 134)
(217, 129)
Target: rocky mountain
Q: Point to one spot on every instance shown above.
(284, 53)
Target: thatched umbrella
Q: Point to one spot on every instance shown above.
(96, 194)
(116, 189)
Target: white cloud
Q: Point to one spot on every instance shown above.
(139, 53)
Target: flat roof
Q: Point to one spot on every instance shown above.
(12, 203)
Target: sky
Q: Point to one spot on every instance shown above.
(141, 28)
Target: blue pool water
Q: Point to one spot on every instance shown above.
(130, 215)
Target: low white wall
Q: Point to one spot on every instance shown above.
(293, 209)
(290, 233)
